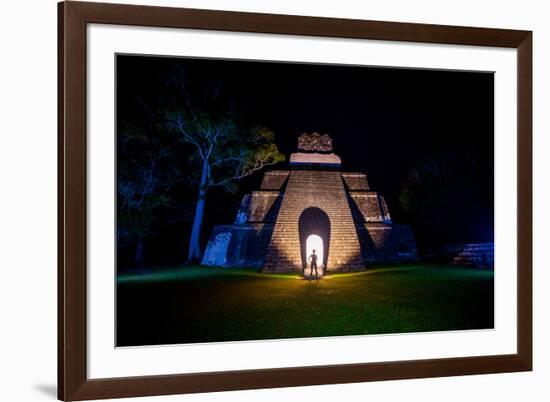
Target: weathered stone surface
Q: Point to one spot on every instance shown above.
(274, 180)
(216, 251)
(243, 212)
(355, 181)
(480, 255)
(300, 158)
(386, 217)
(261, 206)
(248, 246)
(315, 142)
(241, 245)
(369, 206)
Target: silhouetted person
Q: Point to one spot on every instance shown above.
(313, 261)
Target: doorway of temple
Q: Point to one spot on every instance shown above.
(314, 229)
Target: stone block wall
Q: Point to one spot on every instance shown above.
(240, 245)
(386, 217)
(261, 205)
(369, 206)
(216, 253)
(324, 190)
(274, 180)
(480, 255)
(356, 181)
(243, 212)
(248, 245)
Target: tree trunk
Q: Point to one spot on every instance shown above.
(195, 252)
(138, 256)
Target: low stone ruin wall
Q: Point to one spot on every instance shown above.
(240, 245)
(216, 250)
(480, 255)
(246, 245)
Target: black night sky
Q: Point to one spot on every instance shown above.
(383, 121)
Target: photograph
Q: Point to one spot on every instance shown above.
(261, 200)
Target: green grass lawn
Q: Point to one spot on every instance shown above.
(205, 304)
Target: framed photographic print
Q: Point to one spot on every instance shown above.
(252, 200)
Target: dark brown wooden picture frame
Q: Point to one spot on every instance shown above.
(73, 382)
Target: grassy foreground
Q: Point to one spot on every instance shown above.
(200, 304)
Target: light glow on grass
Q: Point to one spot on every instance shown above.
(216, 304)
(190, 273)
(187, 273)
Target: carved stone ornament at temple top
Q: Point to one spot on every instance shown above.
(314, 142)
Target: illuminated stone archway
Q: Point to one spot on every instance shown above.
(315, 243)
(314, 229)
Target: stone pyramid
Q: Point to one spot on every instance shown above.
(313, 198)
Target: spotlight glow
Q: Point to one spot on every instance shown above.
(314, 242)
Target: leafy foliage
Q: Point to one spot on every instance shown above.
(228, 151)
(144, 176)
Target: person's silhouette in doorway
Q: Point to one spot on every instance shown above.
(313, 261)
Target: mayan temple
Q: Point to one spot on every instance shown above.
(313, 205)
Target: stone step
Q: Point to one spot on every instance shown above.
(476, 254)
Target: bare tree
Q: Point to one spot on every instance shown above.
(225, 153)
